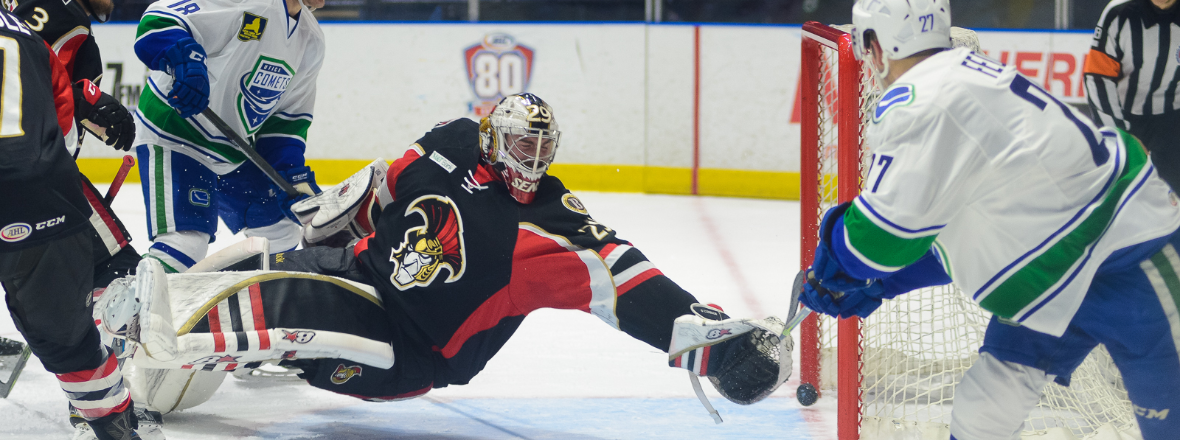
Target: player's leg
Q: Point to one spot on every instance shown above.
(1139, 322)
(48, 297)
(337, 262)
(248, 203)
(181, 207)
(1004, 385)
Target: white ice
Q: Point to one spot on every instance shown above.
(564, 375)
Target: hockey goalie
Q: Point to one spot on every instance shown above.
(415, 274)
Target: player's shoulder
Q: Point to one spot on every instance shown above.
(52, 18)
(457, 139)
(11, 26)
(930, 87)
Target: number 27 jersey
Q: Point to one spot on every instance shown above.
(1020, 197)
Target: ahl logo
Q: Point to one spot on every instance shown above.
(252, 27)
(898, 96)
(437, 244)
(261, 89)
(299, 336)
(342, 373)
(717, 333)
(215, 359)
(343, 189)
(497, 67)
(15, 232)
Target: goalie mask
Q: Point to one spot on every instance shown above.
(903, 27)
(519, 138)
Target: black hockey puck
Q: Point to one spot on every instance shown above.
(807, 394)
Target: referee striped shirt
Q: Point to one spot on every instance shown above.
(1134, 63)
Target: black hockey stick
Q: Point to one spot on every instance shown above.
(806, 393)
(250, 153)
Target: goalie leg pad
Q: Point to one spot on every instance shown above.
(746, 360)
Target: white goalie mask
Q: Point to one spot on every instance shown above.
(519, 138)
(902, 27)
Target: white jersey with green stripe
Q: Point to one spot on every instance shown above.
(1020, 196)
(262, 74)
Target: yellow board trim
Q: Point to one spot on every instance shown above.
(608, 178)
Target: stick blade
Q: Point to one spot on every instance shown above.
(11, 366)
(796, 291)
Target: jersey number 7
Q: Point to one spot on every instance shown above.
(1024, 88)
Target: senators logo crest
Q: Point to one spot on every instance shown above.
(436, 245)
(342, 373)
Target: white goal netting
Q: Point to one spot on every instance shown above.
(915, 348)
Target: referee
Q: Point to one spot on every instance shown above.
(1132, 75)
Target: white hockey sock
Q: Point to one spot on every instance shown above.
(284, 236)
(179, 250)
(994, 398)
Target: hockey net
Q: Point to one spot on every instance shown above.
(894, 373)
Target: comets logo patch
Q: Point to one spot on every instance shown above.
(252, 27)
(898, 96)
(261, 89)
(342, 373)
(298, 336)
(572, 203)
(717, 333)
(435, 245)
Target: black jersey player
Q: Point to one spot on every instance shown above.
(463, 237)
(47, 224)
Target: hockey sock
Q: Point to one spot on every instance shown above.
(98, 392)
(179, 250)
(284, 236)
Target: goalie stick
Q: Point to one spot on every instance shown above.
(250, 153)
(11, 364)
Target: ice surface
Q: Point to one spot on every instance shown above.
(564, 375)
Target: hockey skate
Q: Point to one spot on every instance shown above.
(119, 426)
(136, 314)
(744, 359)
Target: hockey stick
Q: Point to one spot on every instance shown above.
(124, 167)
(250, 153)
(806, 393)
(12, 364)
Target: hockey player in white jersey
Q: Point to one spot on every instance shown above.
(253, 63)
(1062, 230)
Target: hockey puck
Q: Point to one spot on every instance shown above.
(807, 394)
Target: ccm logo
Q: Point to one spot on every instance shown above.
(1149, 413)
(51, 223)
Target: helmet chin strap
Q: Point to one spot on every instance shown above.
(882, 73)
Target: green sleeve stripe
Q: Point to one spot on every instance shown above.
(877, 247)
(152, 22)
(279, 125)
(164, 118)
(1045, 271)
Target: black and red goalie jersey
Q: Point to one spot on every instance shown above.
(460, 263)
(65, 25)
(44, 198)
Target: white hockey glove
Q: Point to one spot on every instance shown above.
(342, 213)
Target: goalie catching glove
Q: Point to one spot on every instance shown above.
(344, 212)
(103, 115)
(744, 359)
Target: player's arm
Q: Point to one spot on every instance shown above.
(174, 37)
(1103, 70)
(63, 100)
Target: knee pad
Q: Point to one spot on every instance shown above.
(283, 236)
(179, 250)
(167, 391)
(994, 398)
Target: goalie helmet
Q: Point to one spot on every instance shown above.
(903, 27)
(519, 139)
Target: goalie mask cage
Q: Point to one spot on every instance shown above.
(894, 373)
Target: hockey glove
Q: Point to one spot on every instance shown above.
(303, 179)
(185, 61)
(858, 302)
(103, 115)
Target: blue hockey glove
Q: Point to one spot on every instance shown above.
(303, 179)
(858, 302)
(185, 61)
